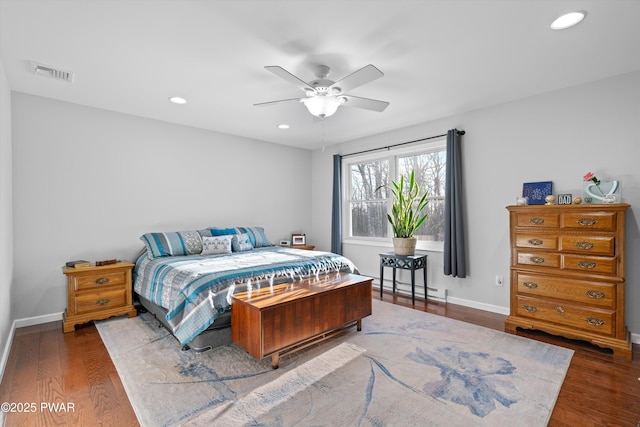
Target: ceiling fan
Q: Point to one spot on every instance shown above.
(324, 96)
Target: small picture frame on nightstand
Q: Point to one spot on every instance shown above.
(298, 239)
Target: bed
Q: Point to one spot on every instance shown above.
(186, 278)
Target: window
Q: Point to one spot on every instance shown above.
(368, 197)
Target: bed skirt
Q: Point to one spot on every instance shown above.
(219, 333)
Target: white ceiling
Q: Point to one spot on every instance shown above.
(439, 57)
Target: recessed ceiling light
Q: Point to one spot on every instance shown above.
(283, 126)
(177, 100)
(568, 20)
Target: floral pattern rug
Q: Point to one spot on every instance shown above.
(404, 368)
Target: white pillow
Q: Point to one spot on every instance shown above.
(216, 245)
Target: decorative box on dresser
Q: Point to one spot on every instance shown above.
(568, 272)
(95, 293)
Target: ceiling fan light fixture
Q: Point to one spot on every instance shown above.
(323, 106)
(568, 20)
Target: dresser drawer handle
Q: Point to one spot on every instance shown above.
(535, 242)
(587, 222)
(530, 308)
(530, 285)
(584, 245)
(536, 259)
(586, 264)
(103, 301)
(560, 310)
(102, 280)
(536, 220)
(593, 321)
(595, 294)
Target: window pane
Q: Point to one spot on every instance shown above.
(430, 171)
(367, 177)
(369, 219)
(369, 198)
(433, 227)
(430, 174)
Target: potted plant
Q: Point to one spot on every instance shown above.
(406, 214)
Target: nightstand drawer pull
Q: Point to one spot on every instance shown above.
(530, 308)
(536, 220)
(560, 310)
(530, 285)
(586, 264)
(102, 280)
(537, 259)
(584, 245)
(595, 294)
(587, 222)
(103, 301)
(535, 242)
(593, 321)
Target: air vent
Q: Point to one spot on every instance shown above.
(46, 71)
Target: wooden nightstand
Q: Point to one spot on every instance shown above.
(305, 247)
(95, 293)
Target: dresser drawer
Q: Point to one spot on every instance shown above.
(601, 221)
(538, 219)
(584, 318)
(572, 290)
(538, 259)
(590, 264)
(94, 301)
(537, 241)
(100, 279)
(596, 245)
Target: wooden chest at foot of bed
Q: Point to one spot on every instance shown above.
(95, 293)
(275, 320)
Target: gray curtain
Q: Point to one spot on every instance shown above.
(336, 210)
(455, 262)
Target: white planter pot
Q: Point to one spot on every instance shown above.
(404, 245)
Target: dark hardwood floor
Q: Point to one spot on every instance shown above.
(74, 369)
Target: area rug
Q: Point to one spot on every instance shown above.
(405, 367)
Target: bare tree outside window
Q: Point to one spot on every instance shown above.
(368, 206)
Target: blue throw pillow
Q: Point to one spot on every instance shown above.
(173, 243)
(222, 231)
(241, 243)
(257, 236)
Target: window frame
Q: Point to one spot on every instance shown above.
(391, 155)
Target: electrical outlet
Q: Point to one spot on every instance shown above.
(499, 280)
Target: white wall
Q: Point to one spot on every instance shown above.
(88, 182)
(6, 219)
(557, 137)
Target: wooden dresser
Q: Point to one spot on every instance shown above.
(95, 293)
(567, 273)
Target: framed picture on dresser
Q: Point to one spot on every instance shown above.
(536, 192)
(298, 239)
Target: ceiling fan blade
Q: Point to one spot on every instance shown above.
(266, 104)
(358, 78)
(366, 103)
(284, 74)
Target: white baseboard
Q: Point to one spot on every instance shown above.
(479, 305)
(38, 320)
(5, 351)
(20, 323)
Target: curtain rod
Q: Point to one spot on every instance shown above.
(460, 132)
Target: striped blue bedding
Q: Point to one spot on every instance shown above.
(195, 289)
